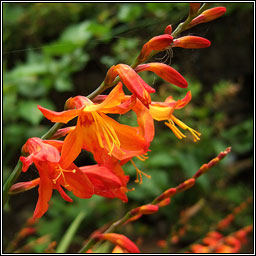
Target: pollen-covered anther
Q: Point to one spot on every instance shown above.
(139, 173)
(142, 157)
(62, 174)
(108, 132)
(182, 125)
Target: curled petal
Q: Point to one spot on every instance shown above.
(191, 42)
(166, 72)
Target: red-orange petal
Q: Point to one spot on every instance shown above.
(78, 183)
(45, 193)
(72, 146)
(166, 72)
(61, 117)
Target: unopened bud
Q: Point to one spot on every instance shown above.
(191, 42)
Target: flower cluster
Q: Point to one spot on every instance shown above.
(111, 143)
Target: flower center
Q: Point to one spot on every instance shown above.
(108, 132)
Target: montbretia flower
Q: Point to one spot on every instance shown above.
(132, 81)
(107, 181)
(191, 42)
(157, 43)
(161, 111)
(98, 133)
(207, 15)
(166, 72)
(53, 175)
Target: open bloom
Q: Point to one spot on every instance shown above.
(53, 175)
(98, 133)
(108, 181)
(162, 111)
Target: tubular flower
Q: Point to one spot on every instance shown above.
(161, 111)
(166, 72)
(96, 132)
(132, 81)
(207, 15)
(53, 175)
(191, 42)
(157, 43)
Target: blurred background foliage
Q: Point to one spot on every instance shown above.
(52, 51)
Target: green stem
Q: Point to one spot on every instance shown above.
(11, 179)
(68, 236)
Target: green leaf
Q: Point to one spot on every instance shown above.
(63, 84)
(28, 110)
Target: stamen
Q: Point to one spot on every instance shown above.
(195, 134)
(175, 130)
(62, 174)
(142, 157)
(139, 172)
(108, 132)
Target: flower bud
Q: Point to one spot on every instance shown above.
(157, 43)
(208, 15)
(168, 30)
(23, 186)
(186, 185)
(166, 72)
(191, 42)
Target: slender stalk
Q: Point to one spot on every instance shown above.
(68, 236)
(92, 241)
(11, 179)
(202, 170)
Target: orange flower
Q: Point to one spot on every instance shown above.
(161, 111)
(83, 182)
(100, 134)
(53, 175)
(191, 42)
(166, 72)
(132, 81)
